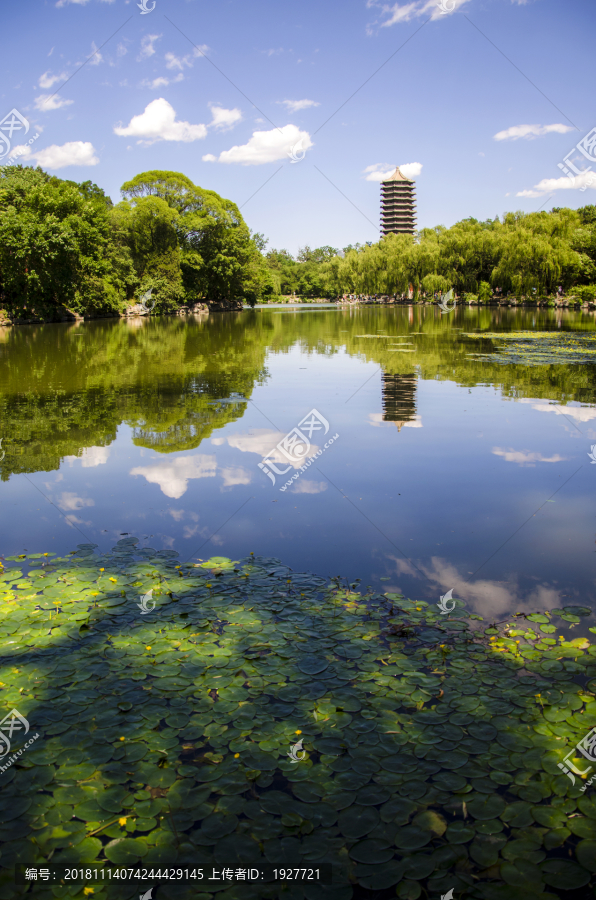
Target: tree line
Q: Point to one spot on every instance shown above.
(66, 245)
(526, 254)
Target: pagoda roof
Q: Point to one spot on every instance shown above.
(397, 176)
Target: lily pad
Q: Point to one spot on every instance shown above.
(564, 875)
(412, 838)
(312, 665)
(357, 821)
(125, 851)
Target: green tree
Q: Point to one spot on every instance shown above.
(56, 245)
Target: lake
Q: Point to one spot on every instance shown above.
(454, 465)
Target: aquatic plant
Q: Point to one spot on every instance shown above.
(432, 742)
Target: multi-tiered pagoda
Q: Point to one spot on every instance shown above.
(398, 205)
(399, 398)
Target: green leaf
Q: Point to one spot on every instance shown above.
(586, 855)
(356, 821)
(489, 807)
(125, 851)
(549, 816)
(429, 820)
(412, 838)
(567, 876)
(372, 852)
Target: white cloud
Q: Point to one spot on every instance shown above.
(162, 81)
(273, 52)
(529, 132)
(309, 487)
(380, 171)
(263, 442)
(70, 501)
(235, 475)
(96, 58)
(121, 49)
(147, 48)
(581, 413)
(406, 12)
(173, 477)
(47, 80)
(182, 62)
(264, 147)
(176, 62)
(526, 457)
(94, 456)
(47, 102)
(179, 514)
(377, 421)
(296, 105)
(158, 123)
(224, 118)
(548, 185)
(74, 153)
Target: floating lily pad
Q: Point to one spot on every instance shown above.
(357, 821)
(372, 852)
(126, 851)
(564, 875)
(312, 665)
(412, 838)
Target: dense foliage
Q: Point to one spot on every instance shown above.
(427, 750)
(64, 245)
(305, 275)
(522, 253)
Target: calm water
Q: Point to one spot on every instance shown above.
(447, 472)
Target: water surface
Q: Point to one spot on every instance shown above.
(449, 471)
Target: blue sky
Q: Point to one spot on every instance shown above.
(479, 101)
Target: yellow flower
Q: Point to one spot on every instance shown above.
(208, 585)
(122, 739)
(88, 891)
(298, 732)
(148, 648)
(236, 755)
(122, 821)
(102, 570)
(114, 580)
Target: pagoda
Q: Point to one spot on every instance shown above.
(399, 398)
(398, 204)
